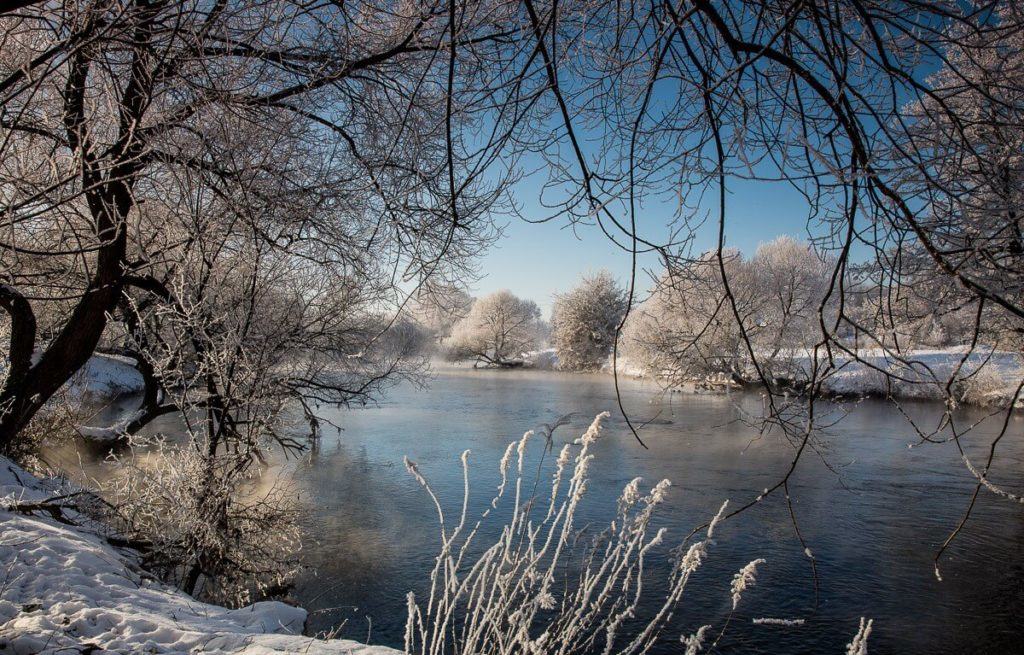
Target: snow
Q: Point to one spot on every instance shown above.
(625, 367)
(544, 360)
(106, 376)
(114, 432)
(64, 588)
(987, 377)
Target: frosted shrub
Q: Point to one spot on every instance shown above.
(517, 595)
(209, 523)
(983, 386)
(55, 422)
(584, 321)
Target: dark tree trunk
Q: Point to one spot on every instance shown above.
(108, 189)
(24, 394)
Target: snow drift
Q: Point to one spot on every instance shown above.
(105, 377)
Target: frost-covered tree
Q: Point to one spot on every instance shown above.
(693, 325)
(584, 321)
(199, 166)
(965, 152)
(437, 308)
(498, 329)
(791, 280)
(239, 196)
(685, 329)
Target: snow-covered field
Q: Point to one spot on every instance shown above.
(65, 589)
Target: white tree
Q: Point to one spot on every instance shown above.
(499, 328)
(965, 152)
(791, 279)
(584, 321)
(688, 328)
(437, 308)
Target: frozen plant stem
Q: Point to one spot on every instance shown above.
(505, 600)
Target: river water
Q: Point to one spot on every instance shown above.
(872, 510)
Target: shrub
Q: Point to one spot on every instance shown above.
(212, 525)
(584, 321)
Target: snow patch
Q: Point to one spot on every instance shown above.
(106, 376)
(986, 377)
(544, 360)
(114, 432)
(66, 589)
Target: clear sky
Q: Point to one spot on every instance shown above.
(537, 260)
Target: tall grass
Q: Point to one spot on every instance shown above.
(540, 587)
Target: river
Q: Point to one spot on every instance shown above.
(872, 510)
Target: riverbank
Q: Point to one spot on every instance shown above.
(66, 588)
(981, 377)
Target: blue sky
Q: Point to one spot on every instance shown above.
(537, 260)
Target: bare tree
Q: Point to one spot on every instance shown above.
(174, 175)
(498, 330)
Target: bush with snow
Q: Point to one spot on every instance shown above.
(67, 589)
(985, 387)
(584, 321)
(213, 524)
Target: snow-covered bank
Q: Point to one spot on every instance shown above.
(982, 377)
(542, 360)
(64, 588)
(105, 377)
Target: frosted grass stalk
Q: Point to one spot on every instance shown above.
(503, 601)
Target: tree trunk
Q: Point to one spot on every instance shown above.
(25, 394)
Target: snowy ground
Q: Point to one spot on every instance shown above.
(106, 376)
(984, 377)
(65, 589)
(981, 377)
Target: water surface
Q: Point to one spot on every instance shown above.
(873, 511)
